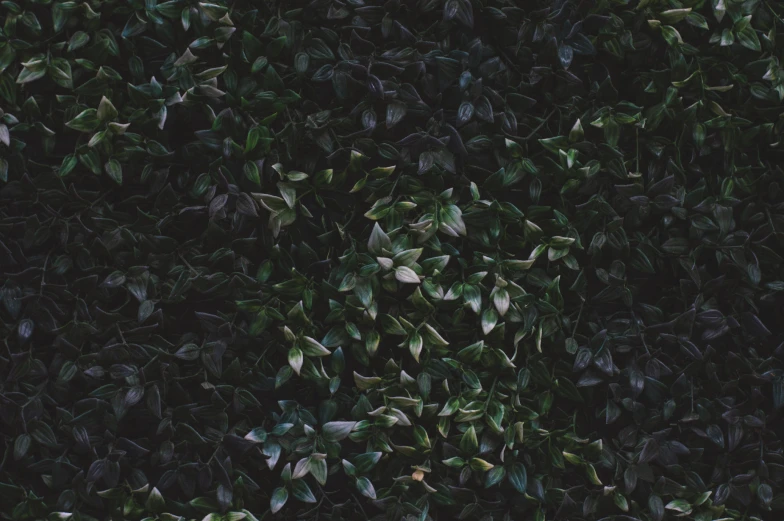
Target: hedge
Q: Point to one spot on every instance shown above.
(392, 260)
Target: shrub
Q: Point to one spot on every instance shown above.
(404, 260)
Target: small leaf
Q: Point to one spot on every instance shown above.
(378, 241)
(338, 430)
(748, 38)
(592, 476)
(78, 40)
(468, 442)
(415, 345)
(312, 347)
(155, 501)
(251, 171)
(318, 468)
(577, 133)
(366, 462)
(114, 170)
(565, 55)
(302, 491)
(480, 465)
(106, 110)
(495, 476)
(21, 446)
(365, 487)
(365, 382)
(396, 111)
(489, 320)
(464, 113)
(621, 502)
(146, 309)
(278, 499)
(296, 359)
(679, 505)
(86, 121)
(518, 477)
(671, 35)
(406, 275)
(501, 301)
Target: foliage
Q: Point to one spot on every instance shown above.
(402, 260)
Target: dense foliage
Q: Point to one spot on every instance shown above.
(402, 260)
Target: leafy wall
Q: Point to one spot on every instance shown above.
(402, 260)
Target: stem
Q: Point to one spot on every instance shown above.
(43, 274)
(579, 315)
(637, 141)
(491, 393)
(364, 515)
(544, 121)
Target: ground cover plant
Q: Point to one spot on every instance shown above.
(401, 260)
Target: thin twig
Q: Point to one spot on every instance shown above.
(324, 494)
(544, 121)
(579, 314)
(43, 275)
(364, 515)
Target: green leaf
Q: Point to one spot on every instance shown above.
(43, 434)
(489, 320)
(106, 110)
(22, 446)
(296, 359)
(415, 344)
(518, 477)
(473, 297)
(278, 499)
(272, 203)
(469, 443)
(592, 476)
(378, 241)
(213, 11)
(86, 121)
(501, 301)
(366, 462)
(672, 16)
(114, 170)
(697, 20)
(31, 73)
(60, 72)
(365, 487)
(621, 502)
(748, 38)
(514, 149)
(494, 476)
(679, 505)
(251, 171)
(480, 465)
(302, 491)
(671, 35)
(338, 430)
(318, 468)
(450, 407)
(312, 347)
(155, 501)
(406, 275)
(365, 382)
(577, 133)
(455, 462)
(407, 257)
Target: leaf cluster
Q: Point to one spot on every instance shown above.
(392, 260)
